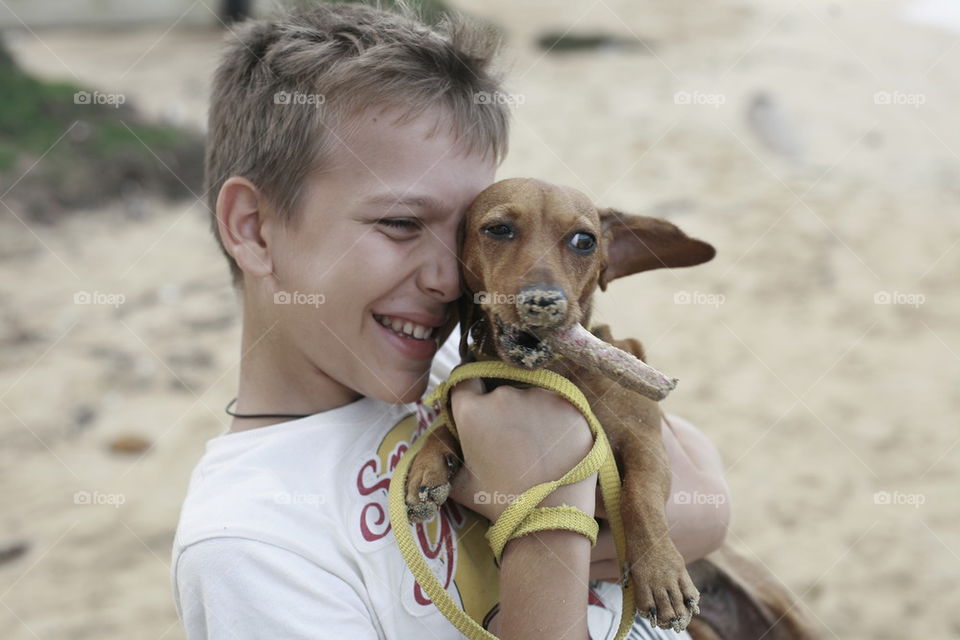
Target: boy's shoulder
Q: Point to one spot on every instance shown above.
(277, 483)
(324, 476)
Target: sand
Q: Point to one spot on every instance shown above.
(820, 350)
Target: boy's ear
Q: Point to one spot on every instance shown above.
(639, 243)
(242, 227)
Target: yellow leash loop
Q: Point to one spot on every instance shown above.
(521, 517)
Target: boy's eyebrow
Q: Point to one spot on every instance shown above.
(418, 201)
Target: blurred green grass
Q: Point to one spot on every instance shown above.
(94, 151)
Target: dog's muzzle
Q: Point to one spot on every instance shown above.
(542, 306)
(521, 347)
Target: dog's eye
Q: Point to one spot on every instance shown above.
(499, 230)
(583, 242)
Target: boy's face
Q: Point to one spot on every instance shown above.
(374, 243)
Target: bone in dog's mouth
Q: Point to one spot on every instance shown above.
(528, 350)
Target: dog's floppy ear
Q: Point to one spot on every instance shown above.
(462, 312)
(467, 312)
(639, 243)
(464, 307)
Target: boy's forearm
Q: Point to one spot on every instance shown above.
(698, 511)
(544, 586)
(698, 529)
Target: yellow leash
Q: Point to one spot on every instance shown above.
(521, 516)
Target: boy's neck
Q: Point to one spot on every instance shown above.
(271, 383)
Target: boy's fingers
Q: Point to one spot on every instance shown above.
(606, 570)
(468, 388)
(464, 487)
(604, 564)
(606, 548)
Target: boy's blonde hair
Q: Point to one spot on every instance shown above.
(284, 83)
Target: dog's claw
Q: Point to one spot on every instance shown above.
(428, 485)
(430, 500)
(663, 589)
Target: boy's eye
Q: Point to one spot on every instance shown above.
(397, 222)
(404, 224)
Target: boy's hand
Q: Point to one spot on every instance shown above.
(513, 439)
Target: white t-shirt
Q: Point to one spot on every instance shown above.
(284, 534)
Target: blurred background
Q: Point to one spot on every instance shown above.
(814, 143)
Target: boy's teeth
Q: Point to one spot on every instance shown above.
(406, 328)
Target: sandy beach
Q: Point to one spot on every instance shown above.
(814, 143)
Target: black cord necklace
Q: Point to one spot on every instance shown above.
(262, 415)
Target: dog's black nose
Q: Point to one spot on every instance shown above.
(542, 306)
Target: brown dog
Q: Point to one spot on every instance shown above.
(533, 255)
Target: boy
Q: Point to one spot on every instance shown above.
(345, 145)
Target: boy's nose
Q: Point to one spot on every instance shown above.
(542, 306)
(440, 277)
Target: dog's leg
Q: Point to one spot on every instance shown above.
(663, 590)
(428, 482)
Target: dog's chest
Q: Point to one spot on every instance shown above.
(619, 410)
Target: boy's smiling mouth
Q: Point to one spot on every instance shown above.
(406, 328)
(414, 340)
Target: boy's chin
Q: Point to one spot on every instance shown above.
(403, 390)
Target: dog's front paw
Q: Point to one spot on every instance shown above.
(428, 486)
(664, 593)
